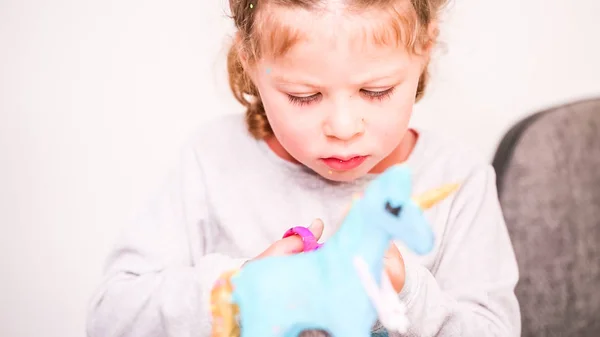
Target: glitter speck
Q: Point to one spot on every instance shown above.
(251, 6)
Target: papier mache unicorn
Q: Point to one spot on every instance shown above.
(340, 287)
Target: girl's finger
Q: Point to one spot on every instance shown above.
(294, 245)
(316, 227)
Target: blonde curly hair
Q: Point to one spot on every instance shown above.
(408, 23)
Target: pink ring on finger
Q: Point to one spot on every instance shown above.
(308, 238)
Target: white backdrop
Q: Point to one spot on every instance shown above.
(96, 98)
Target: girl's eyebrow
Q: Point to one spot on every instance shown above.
(388, 75)
(282, 79)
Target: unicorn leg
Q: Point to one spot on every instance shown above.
(309, 331)
(261, 329)
(350, 330)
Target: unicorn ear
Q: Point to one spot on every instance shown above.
(402, 179)
(395, 181)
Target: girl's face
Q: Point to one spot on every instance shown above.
(338, 103)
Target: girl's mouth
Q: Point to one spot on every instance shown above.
(344, 164)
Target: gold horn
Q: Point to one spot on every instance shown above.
(432, 197)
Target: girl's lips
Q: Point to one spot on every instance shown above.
(344, 164)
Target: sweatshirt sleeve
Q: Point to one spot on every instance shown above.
(158, 279)
(470, 292)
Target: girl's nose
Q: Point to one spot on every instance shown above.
(344, 126)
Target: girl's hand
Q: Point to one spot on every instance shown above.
(394, 266)
(292, 244)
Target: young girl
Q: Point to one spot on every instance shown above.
(329, 88)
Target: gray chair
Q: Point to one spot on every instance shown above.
(548, 176)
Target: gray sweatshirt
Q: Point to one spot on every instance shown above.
(231, 197)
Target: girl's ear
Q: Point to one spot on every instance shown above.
(432, 35)
(433, 30)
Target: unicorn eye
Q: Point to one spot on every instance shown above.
(393, 210)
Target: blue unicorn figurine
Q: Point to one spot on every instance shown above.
(282, 296)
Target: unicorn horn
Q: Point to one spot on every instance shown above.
(432, 197)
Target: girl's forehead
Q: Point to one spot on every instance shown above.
(317, 63)
(285, 32)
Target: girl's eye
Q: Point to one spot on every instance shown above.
(372, 95)
(378, 95)
(303, 100)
